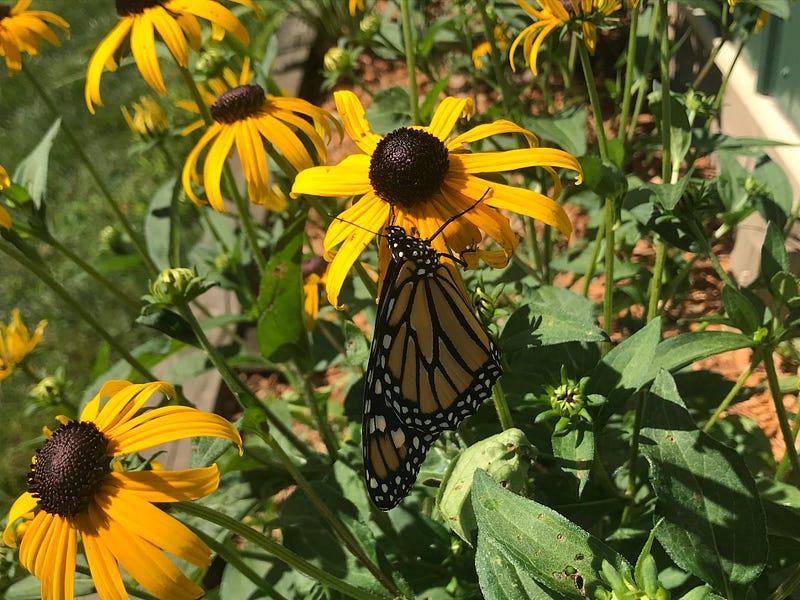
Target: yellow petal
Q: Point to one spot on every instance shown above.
(143, 47)
(125, 403)
(253, 158)
(168, 486)
(189, 172)
(349, 178)
(351, 111)
(172, 34)
(480, 132)
(22, 508)
(447, 115)
(167, 424)
(5, 218)
(105, 572)
(143, 519)
(491, 162)
(103, 57)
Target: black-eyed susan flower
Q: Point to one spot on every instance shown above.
(16, 342)
(175, 21)
(247, 118)
(5, 182)
(77, 486)
(583, 14)
(22, 30)
(427, 178)
(148, 120)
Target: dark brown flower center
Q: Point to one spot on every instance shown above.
(567, 4)
(238, 103)
(5, 11)
(135, 7)
(69, 469)
(408, 166)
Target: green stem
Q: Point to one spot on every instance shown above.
(629, 63)
(343, 533)
(547, 254)
(269, 545)
(302, 382)
(533, 244)
(75, 305)
(608, 288)
(633, 459)
(705, 246)
(243, 396)
(594, 99)
(723, 406)
(48, 239)
(654, 292)
(497, 61)
(105, 192)
(780, 410)
(592, 266)
(501, 406)
(666, 98)
(721, 91)
(411, 60)
(651, 37)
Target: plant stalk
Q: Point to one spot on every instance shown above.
(783, 418)
(723, 406)
(411, 61)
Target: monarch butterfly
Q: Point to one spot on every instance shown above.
(431, 365)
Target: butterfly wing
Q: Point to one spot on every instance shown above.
(431, 359)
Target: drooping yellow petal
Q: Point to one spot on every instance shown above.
(105, 571)
(146, 521)
(480, 132)
(22, 508)
(253, 157)
(369, 209)
(217, 156)
(213, 12)
(5, 218)
(172, 34)
(146, 563)
(103, 57)
(143, 48)
(491, 162)
(189, 172)
(351, 111)
(126, 402)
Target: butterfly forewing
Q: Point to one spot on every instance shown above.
(431, 364)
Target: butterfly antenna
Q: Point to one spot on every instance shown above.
(337, 218)
(459, 215)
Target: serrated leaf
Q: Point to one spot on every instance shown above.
(282, 334)
(32, 171)
(714, 524)
(530, 538)
(573, 448)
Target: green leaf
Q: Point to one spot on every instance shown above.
(740, 310)
(566, 129)
(282, 334)
(779, 8)
(164, 320)
(573, 447)
(681, 350)
(714, 524)
(32, 171)
(157, 226)
(604, 178)
(522, 539)
(553, 316)
(667, 195)
(625, 368)
(501, 579)
(773, 252)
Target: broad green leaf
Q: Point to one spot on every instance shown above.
(527, 540)
(740, 310)
(773, 252)
(32, 171)
(667, 195)
(604, 178)
(783, 287)
(565, 129)
(167, 322)
(774, 179)
(681, 350)
(625, 368)
(779, 8)
(573, 448)
(500, 579)
(158, 226)
(714, 524)
(553, 316)
(282, 334)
